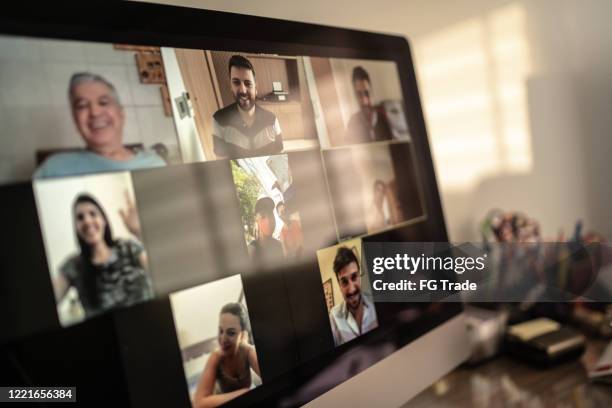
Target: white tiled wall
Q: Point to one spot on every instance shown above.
(34, 111)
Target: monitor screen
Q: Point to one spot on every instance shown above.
(188, 204)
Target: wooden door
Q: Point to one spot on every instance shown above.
(198, 79)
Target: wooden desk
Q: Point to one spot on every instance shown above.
(505, 381)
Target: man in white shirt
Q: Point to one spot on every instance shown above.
(355, 315)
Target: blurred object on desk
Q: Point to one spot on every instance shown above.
(602, 371)
(509, 227)
(549, 279)
(596, 318)
(486, 330)
(544, 342)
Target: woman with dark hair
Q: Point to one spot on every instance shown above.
(107, 272)
(227, 374)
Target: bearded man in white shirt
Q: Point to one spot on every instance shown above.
(355, 315)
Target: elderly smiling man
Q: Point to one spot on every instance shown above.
(99, 118)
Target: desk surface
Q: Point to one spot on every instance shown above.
(505, 381)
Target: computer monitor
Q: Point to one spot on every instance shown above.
(186, 194)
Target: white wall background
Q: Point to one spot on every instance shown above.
(54, 200)
(34, 108)
(517, 97)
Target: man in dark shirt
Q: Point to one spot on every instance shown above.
(265, 248)
(244, 129)
(370, 124)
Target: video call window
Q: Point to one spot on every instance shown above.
(361, 101)
(267, 199)
(92, 235)
(347, 291)
(244, 105)
(216, 341)
(73, 107)
(373, 187)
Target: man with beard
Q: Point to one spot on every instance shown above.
(355, 315)
(370, 124)
(244, 129)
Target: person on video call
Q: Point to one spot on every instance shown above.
(244, 129)
(227, 373)
(291, 236)
(355, 315)
(265, 247)
(107, 272)
(379, 213)
(99, 118)
(370, 123)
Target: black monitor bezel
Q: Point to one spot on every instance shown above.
(160, 25)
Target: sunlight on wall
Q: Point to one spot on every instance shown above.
(473, 84)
